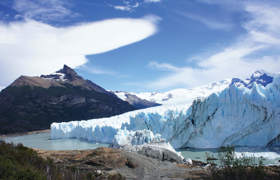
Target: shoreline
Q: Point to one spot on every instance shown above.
(131, 165)
(24, 133)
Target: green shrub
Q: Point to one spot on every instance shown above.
(242, 168)
(227, 158)
(21, 163)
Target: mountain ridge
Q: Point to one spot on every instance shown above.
(61, 78)
(134, 100)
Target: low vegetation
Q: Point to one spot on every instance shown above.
(241, 168)
(21, 163)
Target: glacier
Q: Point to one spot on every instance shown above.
(132, 138)
(236, 112)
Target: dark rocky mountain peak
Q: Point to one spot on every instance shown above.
(61, 78)
(64, 74)
(69, 73)
(33, 103)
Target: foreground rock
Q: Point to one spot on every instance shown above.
(147, 143)
(108, 163)
(160, 151)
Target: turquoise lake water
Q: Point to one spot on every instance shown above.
(43, 141)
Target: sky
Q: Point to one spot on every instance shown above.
(140, 45)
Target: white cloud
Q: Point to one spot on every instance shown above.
(163, 66)
(96, 70)
(43, 10)
(237, 60)
(132, 5)
(122, 8)
(211, 23)
(127, 6)
(152, 1)
(264, 25)
(34, 48)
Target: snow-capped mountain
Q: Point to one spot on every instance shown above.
(178, 96)
(135, 100)
(183, 96)
(236, 112)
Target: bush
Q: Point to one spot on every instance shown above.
(243, 168)
(21, 163)
(227, 158)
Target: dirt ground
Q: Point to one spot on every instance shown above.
(119, 164)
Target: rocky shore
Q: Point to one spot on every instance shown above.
(25, 133)
(111, 163)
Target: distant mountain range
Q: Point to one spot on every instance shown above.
(133, 99)
(33, 103)
(186, 96)
(179, 96)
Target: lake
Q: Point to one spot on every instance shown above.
(43, 141)
(271, 156)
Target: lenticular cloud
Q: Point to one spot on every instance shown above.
(31, 47)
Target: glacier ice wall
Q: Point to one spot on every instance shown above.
(160, 120)
(139, 137)
(237, 115)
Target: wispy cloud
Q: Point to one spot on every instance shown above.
(132, 5)
(123, 8)
(152, 1)
(210, 23)
(236, 60)
(97, 70)
(38, 48)
(43, 10)
(127, 7)
(163, 66)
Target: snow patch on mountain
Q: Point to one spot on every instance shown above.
(135, 100)
(55, 76)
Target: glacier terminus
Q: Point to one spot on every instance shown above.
(231, 112)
